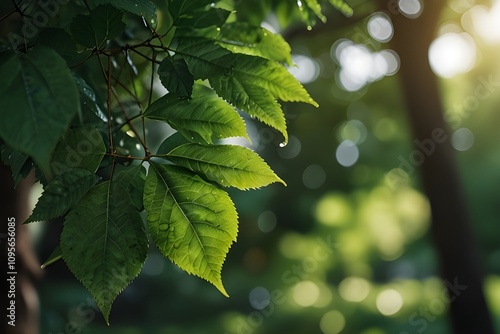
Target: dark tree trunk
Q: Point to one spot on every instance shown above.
(14, 205)
(451, 228)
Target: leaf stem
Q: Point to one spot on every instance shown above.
(82, 61)
(151, 81)
(132, 94)
(129, 157)
(4, 17)
(128, 121)
(146, 57)
(108, 81)
(110, 127)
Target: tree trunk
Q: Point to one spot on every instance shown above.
(451, 228)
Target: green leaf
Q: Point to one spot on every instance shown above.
(211, 17)
(203, 118)
(133, 179)
(83, 31)
(55, 256)
(80, 148)
(173, 141)
(287, 13)
(314, 7)
(104, 242)
(39, 92)
(343, 7)
(175, 76)
(84, 88)
(143, 8)
(257, 72)
(250, 83)
(19, 163)
(227, 165)
(91, 113)
(241, 37)
(62, 193)
(254, 12)
(192, 222)
(59, 40)
(104, 23)
(178, 8)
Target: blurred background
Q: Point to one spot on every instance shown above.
(345, 248)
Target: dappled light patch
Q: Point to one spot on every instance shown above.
(354, 131)
(411, 8)
(267, 221)
(333, 210)
(380, 27)
(347, 153)
(462, 139)
(314, 176)
(259, 298)
(452, 54)
(354, 289)
(389, 302)
(332, 322)
(360, 66)
(306, 293)
(484, 21)
(306, 69)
